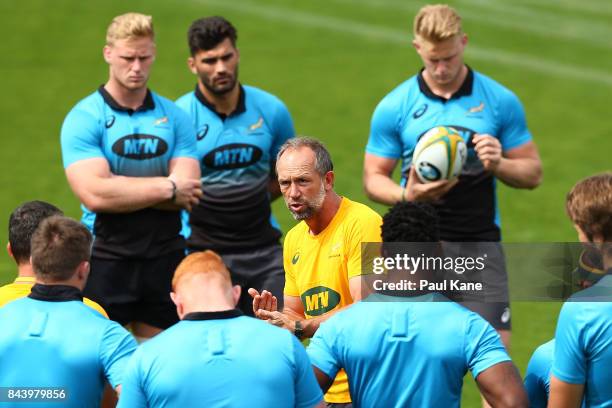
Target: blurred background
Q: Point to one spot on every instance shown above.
(330, 61)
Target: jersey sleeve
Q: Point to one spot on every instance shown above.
(185, 135)
(569, 363)
(80, 137)
(307, 390)
(483, 346)
(282, 129)
(291, 288)
(366, 229)
(322, 349)
(116, 348)
(132, 392)
(536, 378)
(384, 140)
(514, 132)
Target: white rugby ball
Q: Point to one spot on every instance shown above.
(439, 155)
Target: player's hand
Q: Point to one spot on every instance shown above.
(277, 318)
(418, 191)
(188, 192)
(264, 301)
(489, 151)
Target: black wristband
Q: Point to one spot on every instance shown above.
(299, 330)
(173, 189)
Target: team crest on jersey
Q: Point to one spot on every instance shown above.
(160, 121)
(319, 300)
(477, 109)
(334, 251)
(256, 125)
(295, 258)
(140, 147)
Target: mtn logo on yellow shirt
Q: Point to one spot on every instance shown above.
(319, 300)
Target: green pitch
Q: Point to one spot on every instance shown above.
(331, 61)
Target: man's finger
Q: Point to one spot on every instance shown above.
(253, 292)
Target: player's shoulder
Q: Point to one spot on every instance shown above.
(544, 352)
(163, 102)
(261, 96)
(401, 94)
(357, 211)
(184, 101)
(91, 106)
(296, 231)
(490, 85)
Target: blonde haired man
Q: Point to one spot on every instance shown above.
(129, 156)
(490, 118)
(216, 356)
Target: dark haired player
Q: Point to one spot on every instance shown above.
(239, 130)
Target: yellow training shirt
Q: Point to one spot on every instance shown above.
(318, 267)
(22, 286)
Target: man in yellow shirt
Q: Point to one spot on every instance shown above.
(322, 254)
(22, 223)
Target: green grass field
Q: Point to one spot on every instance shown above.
(331, 61)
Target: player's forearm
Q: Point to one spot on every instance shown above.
(520, 173)
(119, 194)
(382, 189)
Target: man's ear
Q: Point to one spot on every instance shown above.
(236, 291)
(329, 180)
(9, 250)
(106, 52)
(83, 271)
(191, 65)
(178, 302)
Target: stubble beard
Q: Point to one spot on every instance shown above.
(311, 207)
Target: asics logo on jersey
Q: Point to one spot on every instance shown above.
(420, 112)
(256, 125)
(295, 258)
(110, 121)
(232, 156)
(202, 132)
(319, 300)
(140, 147)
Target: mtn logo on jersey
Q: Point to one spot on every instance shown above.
(232, 156)
(140, 147)
(319, 300)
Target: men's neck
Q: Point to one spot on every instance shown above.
(74, 282)
(318, 222)
(446, 91)
(210, 305)
(25, 270)
(224, 103)
(129, 98)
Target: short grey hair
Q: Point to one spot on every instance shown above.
(323, 162)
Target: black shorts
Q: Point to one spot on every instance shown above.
(135, 290)
(260, 268)
(493, 303)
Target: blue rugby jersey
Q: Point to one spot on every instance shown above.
(583, 347)
(406, 352)
(469, 211)
(136, 143)
(537, 376)
(61, 343)
(220, 359)
(236, 154)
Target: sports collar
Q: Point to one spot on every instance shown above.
(25, 279)
(224, 314)
(240, 107)
(464, 90)
(147, 104)
(55, 293)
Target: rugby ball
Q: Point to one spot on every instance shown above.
(439, 155)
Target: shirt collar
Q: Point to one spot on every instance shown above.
(224, 314)
(55, 293)
(147, 104)
(464, 90)
(25, 279)
(240, 107)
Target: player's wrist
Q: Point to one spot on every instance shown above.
(173, 183)
(298, 329)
